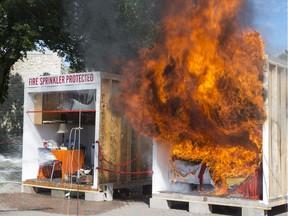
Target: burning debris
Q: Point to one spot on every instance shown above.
(200, 89)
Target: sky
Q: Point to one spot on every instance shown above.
(270, 19)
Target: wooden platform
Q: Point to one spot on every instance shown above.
(204, 204)
(58, 184)
(226, 201)
(59, 188)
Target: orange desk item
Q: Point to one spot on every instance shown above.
(69, 159)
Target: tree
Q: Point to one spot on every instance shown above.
(114, 30)
(27, 25)
(11, 111)
(93, 34)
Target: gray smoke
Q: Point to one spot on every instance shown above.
(112, 31)
(247, 13)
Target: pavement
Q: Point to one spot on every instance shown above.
(38, 204)
(13, 202)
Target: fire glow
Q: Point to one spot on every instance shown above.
(201, 89)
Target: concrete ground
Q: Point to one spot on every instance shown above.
(37, 204)
(12, 202)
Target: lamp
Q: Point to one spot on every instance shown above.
(62, 130)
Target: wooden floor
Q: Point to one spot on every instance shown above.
(59, 184)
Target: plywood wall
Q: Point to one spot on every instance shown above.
(119, 143)
(278, 126)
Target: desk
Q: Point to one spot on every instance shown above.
(69, 159)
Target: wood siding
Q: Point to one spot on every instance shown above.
(119, 143)
(277, 115)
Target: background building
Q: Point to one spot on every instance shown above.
(11, 111)
(38, 64)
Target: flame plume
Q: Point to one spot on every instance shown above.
(201, 88)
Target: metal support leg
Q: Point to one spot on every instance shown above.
(53, 168)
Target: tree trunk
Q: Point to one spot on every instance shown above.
(5, 66)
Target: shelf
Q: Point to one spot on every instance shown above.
(60, 116)
(60, 111)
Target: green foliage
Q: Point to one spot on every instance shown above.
(27, 25)
(11, 111)
(95, 34)
(88, 33)
(138, 16)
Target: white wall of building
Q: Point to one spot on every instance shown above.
(37, 64)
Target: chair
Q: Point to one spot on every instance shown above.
(49, 167)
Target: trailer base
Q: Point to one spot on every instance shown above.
(209, 205)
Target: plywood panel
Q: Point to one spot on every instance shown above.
(274, 133)
(104, 131)
(267, 135)
(286, 143)
(145, 156)
(119, 143)
(138, 154)
(125, 149)
(115, 137)
(135, 152)
(277, 117)
(283, 126)
(38, 104)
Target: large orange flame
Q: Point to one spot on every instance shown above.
(201, 89)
